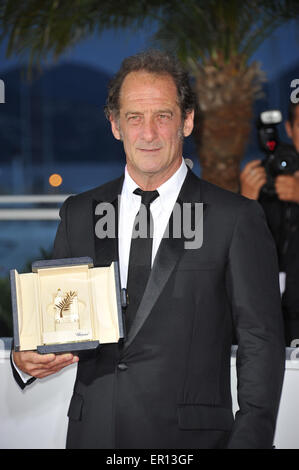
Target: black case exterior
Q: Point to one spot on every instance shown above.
(60, 263)
(65, 347)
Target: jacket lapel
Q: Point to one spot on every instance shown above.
(105, 212)
(168, 255)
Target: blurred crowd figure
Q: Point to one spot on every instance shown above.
(282, 213)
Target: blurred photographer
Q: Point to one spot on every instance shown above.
(275, 183)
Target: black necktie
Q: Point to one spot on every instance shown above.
(140, 254)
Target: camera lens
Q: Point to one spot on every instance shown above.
(283, 164)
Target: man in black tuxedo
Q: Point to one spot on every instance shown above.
(167, 385)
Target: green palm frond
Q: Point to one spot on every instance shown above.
(198, 29)
(46, 27)
(220, 30)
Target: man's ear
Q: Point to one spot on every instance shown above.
(188, 123)
(115, 127)
(288, 129)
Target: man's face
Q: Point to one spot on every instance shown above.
(150, 125)
(293, 131)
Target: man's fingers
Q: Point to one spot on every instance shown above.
(282, 179)
(45, 359)
(33, 357)
(257, 178)
(58, 360)
(257, 173)
(283, 183)
(249, 167)
(36, 364)
(40, 373)
(250, 175)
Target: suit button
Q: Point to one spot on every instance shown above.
(122, 366)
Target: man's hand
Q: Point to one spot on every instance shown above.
(287, 187)
(42, 365)
(252, 178)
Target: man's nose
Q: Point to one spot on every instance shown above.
(149, 130)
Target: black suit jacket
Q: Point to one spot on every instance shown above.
(283, 221)
(168, 384)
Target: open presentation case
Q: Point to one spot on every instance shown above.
(66, 305)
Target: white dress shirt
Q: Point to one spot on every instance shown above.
(161, 209)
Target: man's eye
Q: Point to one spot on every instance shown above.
(133, 118)
(164, 117)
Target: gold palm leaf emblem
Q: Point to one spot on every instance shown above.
(66, 302)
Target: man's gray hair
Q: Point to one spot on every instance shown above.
(157, 63)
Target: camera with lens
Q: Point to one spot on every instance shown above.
(280, 158)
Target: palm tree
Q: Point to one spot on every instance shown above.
(222, 36)
(215, 39)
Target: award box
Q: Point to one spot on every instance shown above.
(66, 305)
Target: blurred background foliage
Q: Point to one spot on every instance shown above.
(215, 40)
